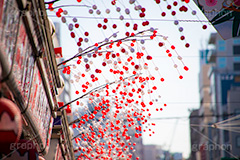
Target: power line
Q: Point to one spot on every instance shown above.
(136, 19)
(195, 116)
(185, 102)
(227, 56)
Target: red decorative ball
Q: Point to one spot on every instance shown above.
(104, 27)
(149, 57)
(143, 9)
(113, 2)
(99, 25)
(86, 34)
(160, 44)
(204, 26)
(173, 13)
(72, 34)
(87, 66)
(163, 14)
(187, 45)
(182, 38)
(76, 25)
(105, 20)
(186, 68)
(114, 26)
(142, 15)
(104, 63)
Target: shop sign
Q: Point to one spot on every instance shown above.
(223, 14)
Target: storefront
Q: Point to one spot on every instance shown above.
(28, 75)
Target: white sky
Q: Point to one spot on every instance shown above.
(180, 95)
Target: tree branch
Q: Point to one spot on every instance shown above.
(96, 89)
(53, 1)
(91, 50)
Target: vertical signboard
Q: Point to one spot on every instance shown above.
(23, 63)
(9, 27)
(223, 14)
(16, 46)
(39, 108)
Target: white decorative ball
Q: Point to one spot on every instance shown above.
(98, 12)
(74, 19)
(118, 9)
(70, 26)
(127, 11)
(94, 7)
(65, 12)
(90, 11)
(107, 11)
(180, 29)
(176, 22)
(63, 19)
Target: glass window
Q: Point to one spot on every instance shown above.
(237, 111)
(236, 59)
(222, 62)
(221, 45)
(238, 141)
(236, 66)
(236, 41)
(236, 50)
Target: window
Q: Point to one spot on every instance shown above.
(236, 66)
(237, 111)
(236, 59)
(201, 102)
(226, 135)
(237, 80)
(222, 62)
(236, 50)
(221, 45)
(236, 41)
(238, 141)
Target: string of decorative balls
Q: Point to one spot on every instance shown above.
(117, 78)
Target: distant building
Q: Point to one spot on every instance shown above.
(234, 107)
(177, 156)
(223, 74)
(219, 80)
(205, 111)
(194, 120)
(153, 152)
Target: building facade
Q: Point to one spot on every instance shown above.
(29, 83)
(218, 86)
(194, 136)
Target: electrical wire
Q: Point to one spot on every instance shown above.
(197, 116)
(135, 19)
(61, 6)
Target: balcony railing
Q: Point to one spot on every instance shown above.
(212, 54)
